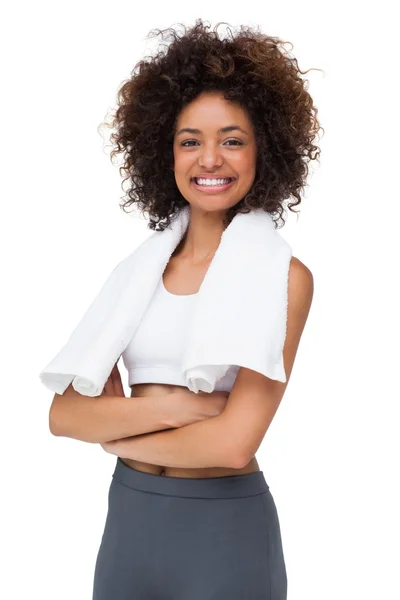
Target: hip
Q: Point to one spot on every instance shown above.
(195, 538)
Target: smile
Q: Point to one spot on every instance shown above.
(212, 189)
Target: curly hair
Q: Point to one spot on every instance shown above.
(249, 68)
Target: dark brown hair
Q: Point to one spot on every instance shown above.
(248, 68)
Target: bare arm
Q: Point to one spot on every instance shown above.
(104, 418)
(195, 446)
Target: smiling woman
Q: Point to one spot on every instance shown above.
(225, 127)
(266, 116)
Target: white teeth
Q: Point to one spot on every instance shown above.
(211, 181)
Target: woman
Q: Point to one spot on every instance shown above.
(224, 126)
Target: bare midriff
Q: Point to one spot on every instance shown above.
(154, 389)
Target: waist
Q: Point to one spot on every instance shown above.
(235, 486)
(159, 470)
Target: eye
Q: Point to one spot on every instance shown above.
(238, 142)
(187, 142)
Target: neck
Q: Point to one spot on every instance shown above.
(202, 236)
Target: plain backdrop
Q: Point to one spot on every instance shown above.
(331, 455)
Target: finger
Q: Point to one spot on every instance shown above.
(109, 387)
(117, 381)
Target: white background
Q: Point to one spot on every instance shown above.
(331, 455)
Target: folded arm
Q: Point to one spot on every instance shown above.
(102, 418)
(233, 437)
(198, 445)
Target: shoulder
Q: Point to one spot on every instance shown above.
(297, 266)
(300, 282)
(299, 297)
(300, 291)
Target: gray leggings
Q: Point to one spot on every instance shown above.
(174, 538)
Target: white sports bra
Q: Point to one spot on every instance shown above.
(154, 354)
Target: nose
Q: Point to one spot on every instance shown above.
(210, 157)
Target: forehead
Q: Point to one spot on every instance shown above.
(210, 111)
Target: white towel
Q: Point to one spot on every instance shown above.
(239, 318)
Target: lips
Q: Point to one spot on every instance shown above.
(208, 177)
(213, 189)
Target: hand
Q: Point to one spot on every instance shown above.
(113, 385)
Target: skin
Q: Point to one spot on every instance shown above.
(229, 154)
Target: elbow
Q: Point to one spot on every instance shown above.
(240, 455)
(236, 459)
(52, 423)
(240, 461)
(60, 428)
(60, 421)
(56, 415)
(232, 454)
(57, 423)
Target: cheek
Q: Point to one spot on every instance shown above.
(246, 169)
(182, 164)
(245, 161)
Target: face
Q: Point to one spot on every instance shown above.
(209, 153)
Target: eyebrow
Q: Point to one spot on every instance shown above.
(222, 130)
